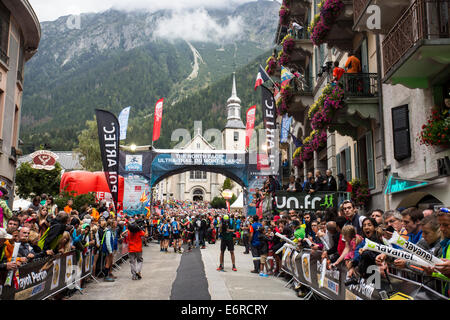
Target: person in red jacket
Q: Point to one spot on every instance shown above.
(133, 236)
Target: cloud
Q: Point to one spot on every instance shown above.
(197, 25)
(49, 10)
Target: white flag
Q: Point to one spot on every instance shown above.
(123, 122)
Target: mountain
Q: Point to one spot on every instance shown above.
(116, 59)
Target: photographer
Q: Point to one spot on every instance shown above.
(133, 237)
(226, 231)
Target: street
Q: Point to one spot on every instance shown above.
(189, 276)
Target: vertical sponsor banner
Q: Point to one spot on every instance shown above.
(250, 125)
(135, 186)
(108, 136)
(285, 128)
(123, 122)
(270, 126)
(157, 119)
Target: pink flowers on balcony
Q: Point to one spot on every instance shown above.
(321, 25)
(324, 114)
(288, 45)
(284, 15)
(271, 65)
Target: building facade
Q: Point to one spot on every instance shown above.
(202, 185)
(20, 34)
(369, 129)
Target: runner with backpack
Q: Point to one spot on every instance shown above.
(176, 234)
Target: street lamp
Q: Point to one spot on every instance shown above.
(133, 148)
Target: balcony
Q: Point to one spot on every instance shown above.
(300, 101)
(361, 103)
(341, 33)
(416, 50)
(298, 11)
(390, 11)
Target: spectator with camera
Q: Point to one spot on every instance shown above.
(133, 236)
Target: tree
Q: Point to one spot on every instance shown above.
(31, 182)
(89, 147)
(227, 184)
(78, 200)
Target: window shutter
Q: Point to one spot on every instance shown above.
(370, 164)
(355, 151)
(348, 164)
(400, 129)
(338, 163)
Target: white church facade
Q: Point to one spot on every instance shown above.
(202, 185)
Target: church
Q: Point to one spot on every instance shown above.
(202, 185)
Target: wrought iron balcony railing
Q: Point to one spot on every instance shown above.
(358, 8)
(360, 84)
(423, 20)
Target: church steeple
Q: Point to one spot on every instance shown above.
(234, 109)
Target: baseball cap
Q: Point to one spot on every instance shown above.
(4, 234)
(85, 225)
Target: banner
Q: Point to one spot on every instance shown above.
(108, 137)
(135, 187)
(250, 125)
(306, 267)
(123, 122)
(270, 125)
(40, 279)
(305, 201)
(285, 128)
(157, 119)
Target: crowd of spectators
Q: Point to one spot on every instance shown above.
(339, 233)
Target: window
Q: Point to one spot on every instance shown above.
(198, 175)
(344, 163)
(400, 130)
(365, 162)
(198, 145)
(236, 136)
(4, 33)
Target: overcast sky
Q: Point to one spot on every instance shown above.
(49, 10)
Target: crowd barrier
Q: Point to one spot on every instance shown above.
(305, 267)
(43, 278)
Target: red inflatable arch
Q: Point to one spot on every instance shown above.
(83, 182)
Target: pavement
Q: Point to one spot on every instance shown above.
(189, 276)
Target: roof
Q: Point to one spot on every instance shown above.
(68, 160)
(29, 24)
(203, 140)
(235, 124)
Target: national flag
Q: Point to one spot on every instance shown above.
(250, 125)
(277, 95)
(157, 119)
(261, 77)
(285, 83)
(298, 143)
(286, 74)
(144, 197)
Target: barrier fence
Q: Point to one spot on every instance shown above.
(305, 267)
(43, 278)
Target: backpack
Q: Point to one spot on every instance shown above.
(133, 228)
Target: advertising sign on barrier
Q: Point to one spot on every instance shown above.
(309, 272)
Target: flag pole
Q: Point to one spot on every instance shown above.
(268, 75)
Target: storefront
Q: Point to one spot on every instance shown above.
(426, 193)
